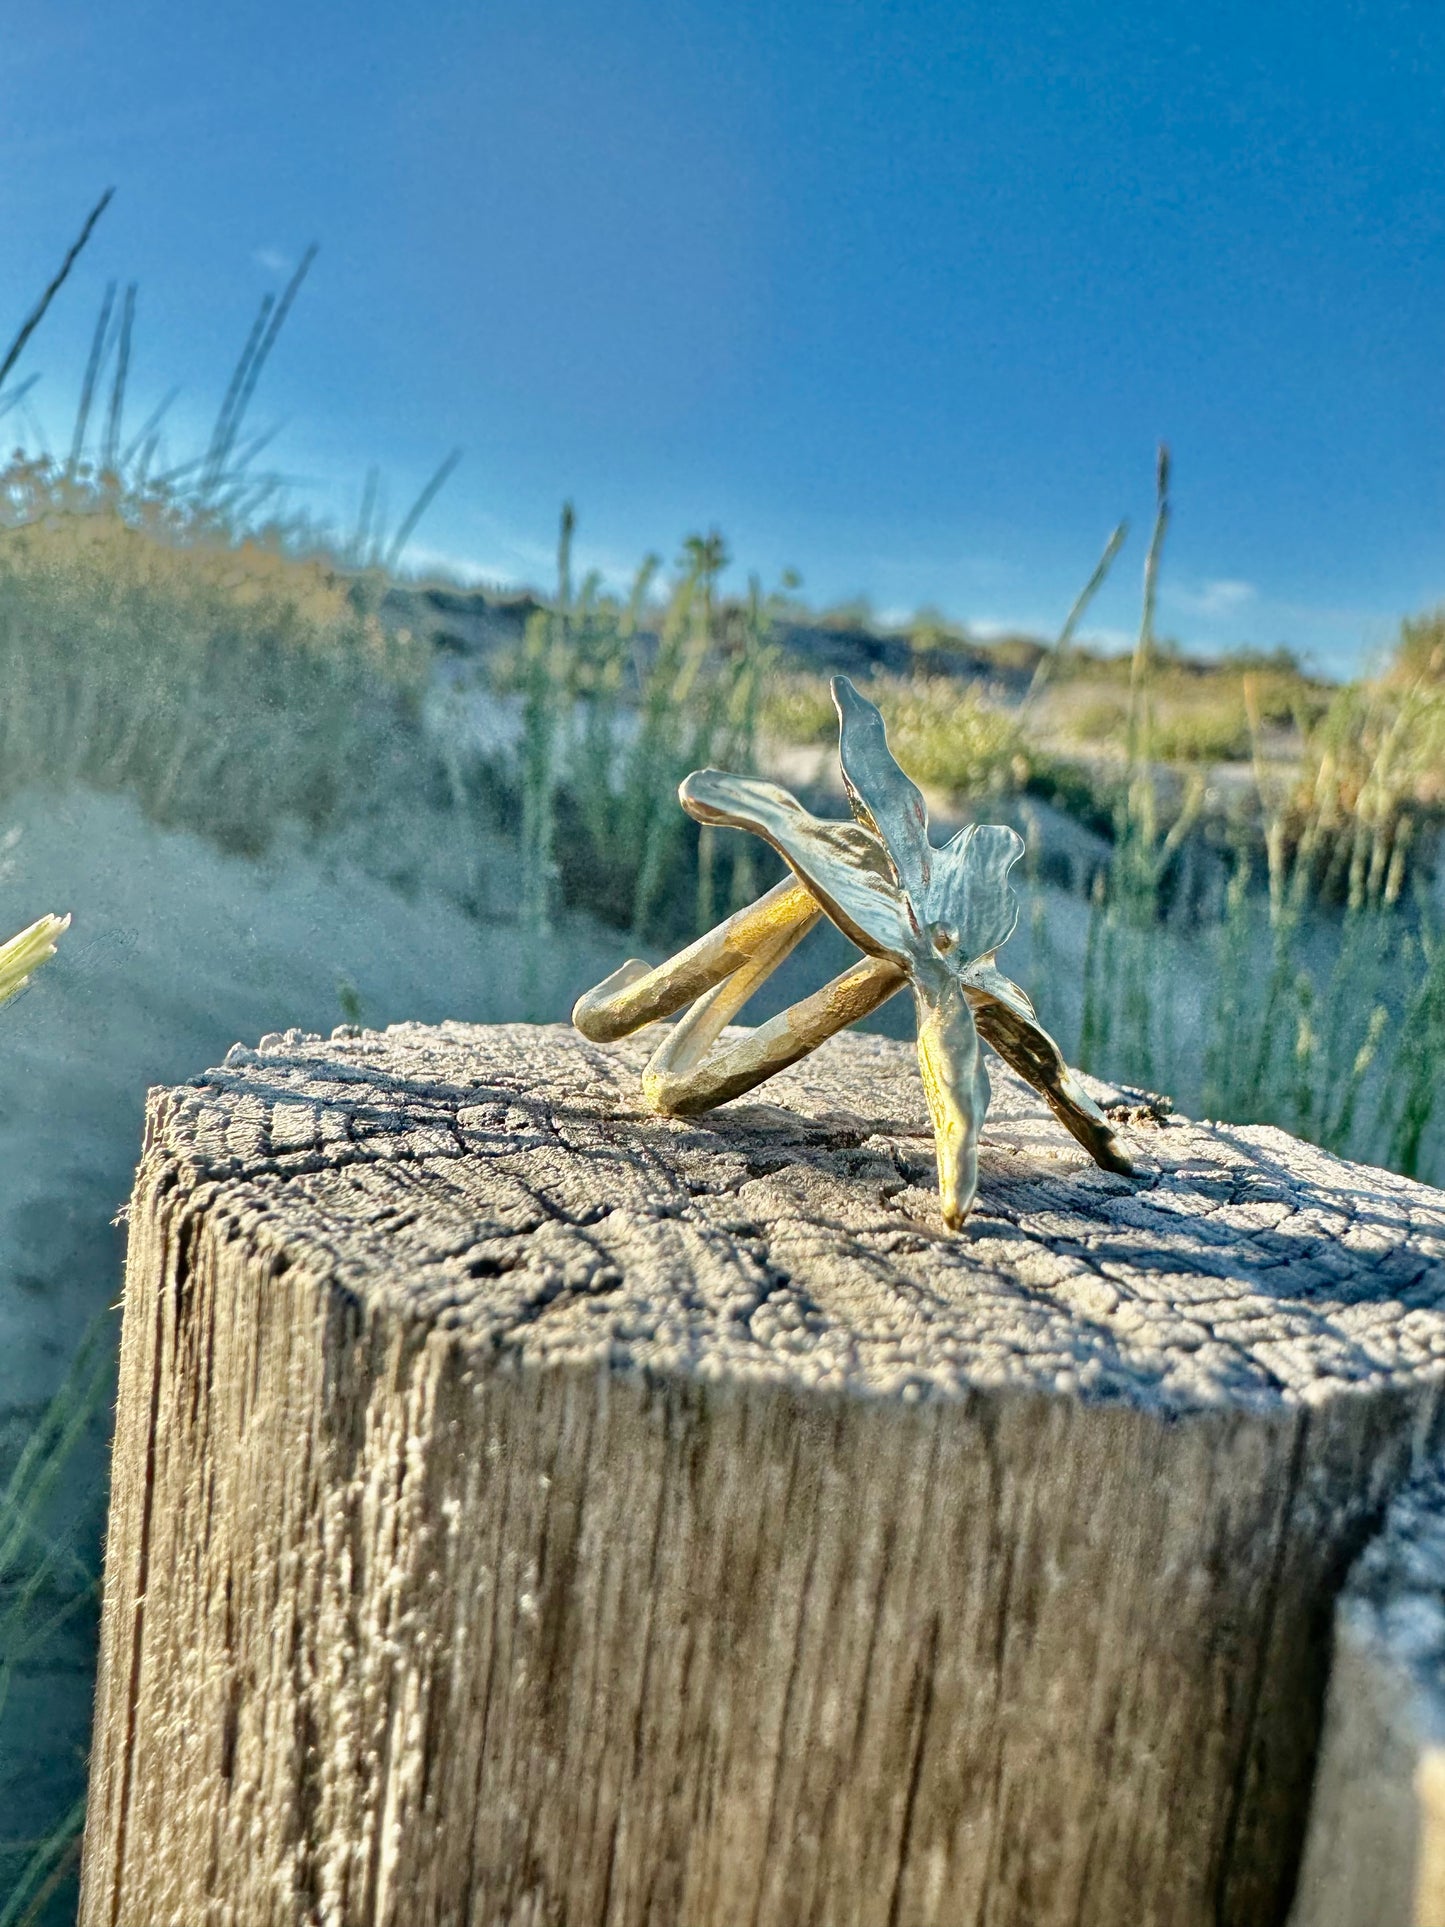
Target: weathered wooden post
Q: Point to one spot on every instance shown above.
(1375, 1851)
(529, 1510)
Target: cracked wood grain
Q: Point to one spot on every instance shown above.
(527, 1509)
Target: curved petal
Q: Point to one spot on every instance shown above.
(955, 1082)
(884, 800)
(983, 974)
(971, 893)
(1005, 1019)
(842, 865)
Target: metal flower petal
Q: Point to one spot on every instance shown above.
(844, 865)
(971, 897)
(955, 1083)
(884, 800)
(932, 917)
(1006, 1020)
(957, 897)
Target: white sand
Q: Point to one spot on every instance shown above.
(176, 952)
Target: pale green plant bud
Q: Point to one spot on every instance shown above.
(26, 953)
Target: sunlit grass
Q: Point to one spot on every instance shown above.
(159, 636)
(949, 736)
(1323, 982)
(620, 701)
(225, 684)
(1199, 712)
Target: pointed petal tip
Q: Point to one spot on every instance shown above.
(884, 799)
(997, 844)
(705, 792)
(850, 702)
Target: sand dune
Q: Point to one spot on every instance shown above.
(176, 952)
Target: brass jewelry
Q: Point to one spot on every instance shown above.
(929, 917)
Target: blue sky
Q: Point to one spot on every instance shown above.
(901, 296)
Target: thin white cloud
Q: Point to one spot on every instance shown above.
(461, 568)
(272, 260)
(1331, 616)
(990, 628)
(1222, 596)
(520, 564)
(1113, 642)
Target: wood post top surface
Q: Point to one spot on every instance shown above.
(504, 1183)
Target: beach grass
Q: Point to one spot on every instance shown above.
(168, 632)
(49, 1584)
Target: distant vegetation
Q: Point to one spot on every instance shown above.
(226, 683)
(169, 630)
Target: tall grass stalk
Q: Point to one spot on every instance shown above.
(44, 1586)
(407, 526)
(57, 281)
(1418, 1059)
(544, 659)
(257, 352)
(1324, 990)
(1299, 1041)
(1051, 661)
(614, 716)
(99, 341)
(110, 448)
(1128, 1000)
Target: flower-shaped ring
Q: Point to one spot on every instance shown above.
(925, 916)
